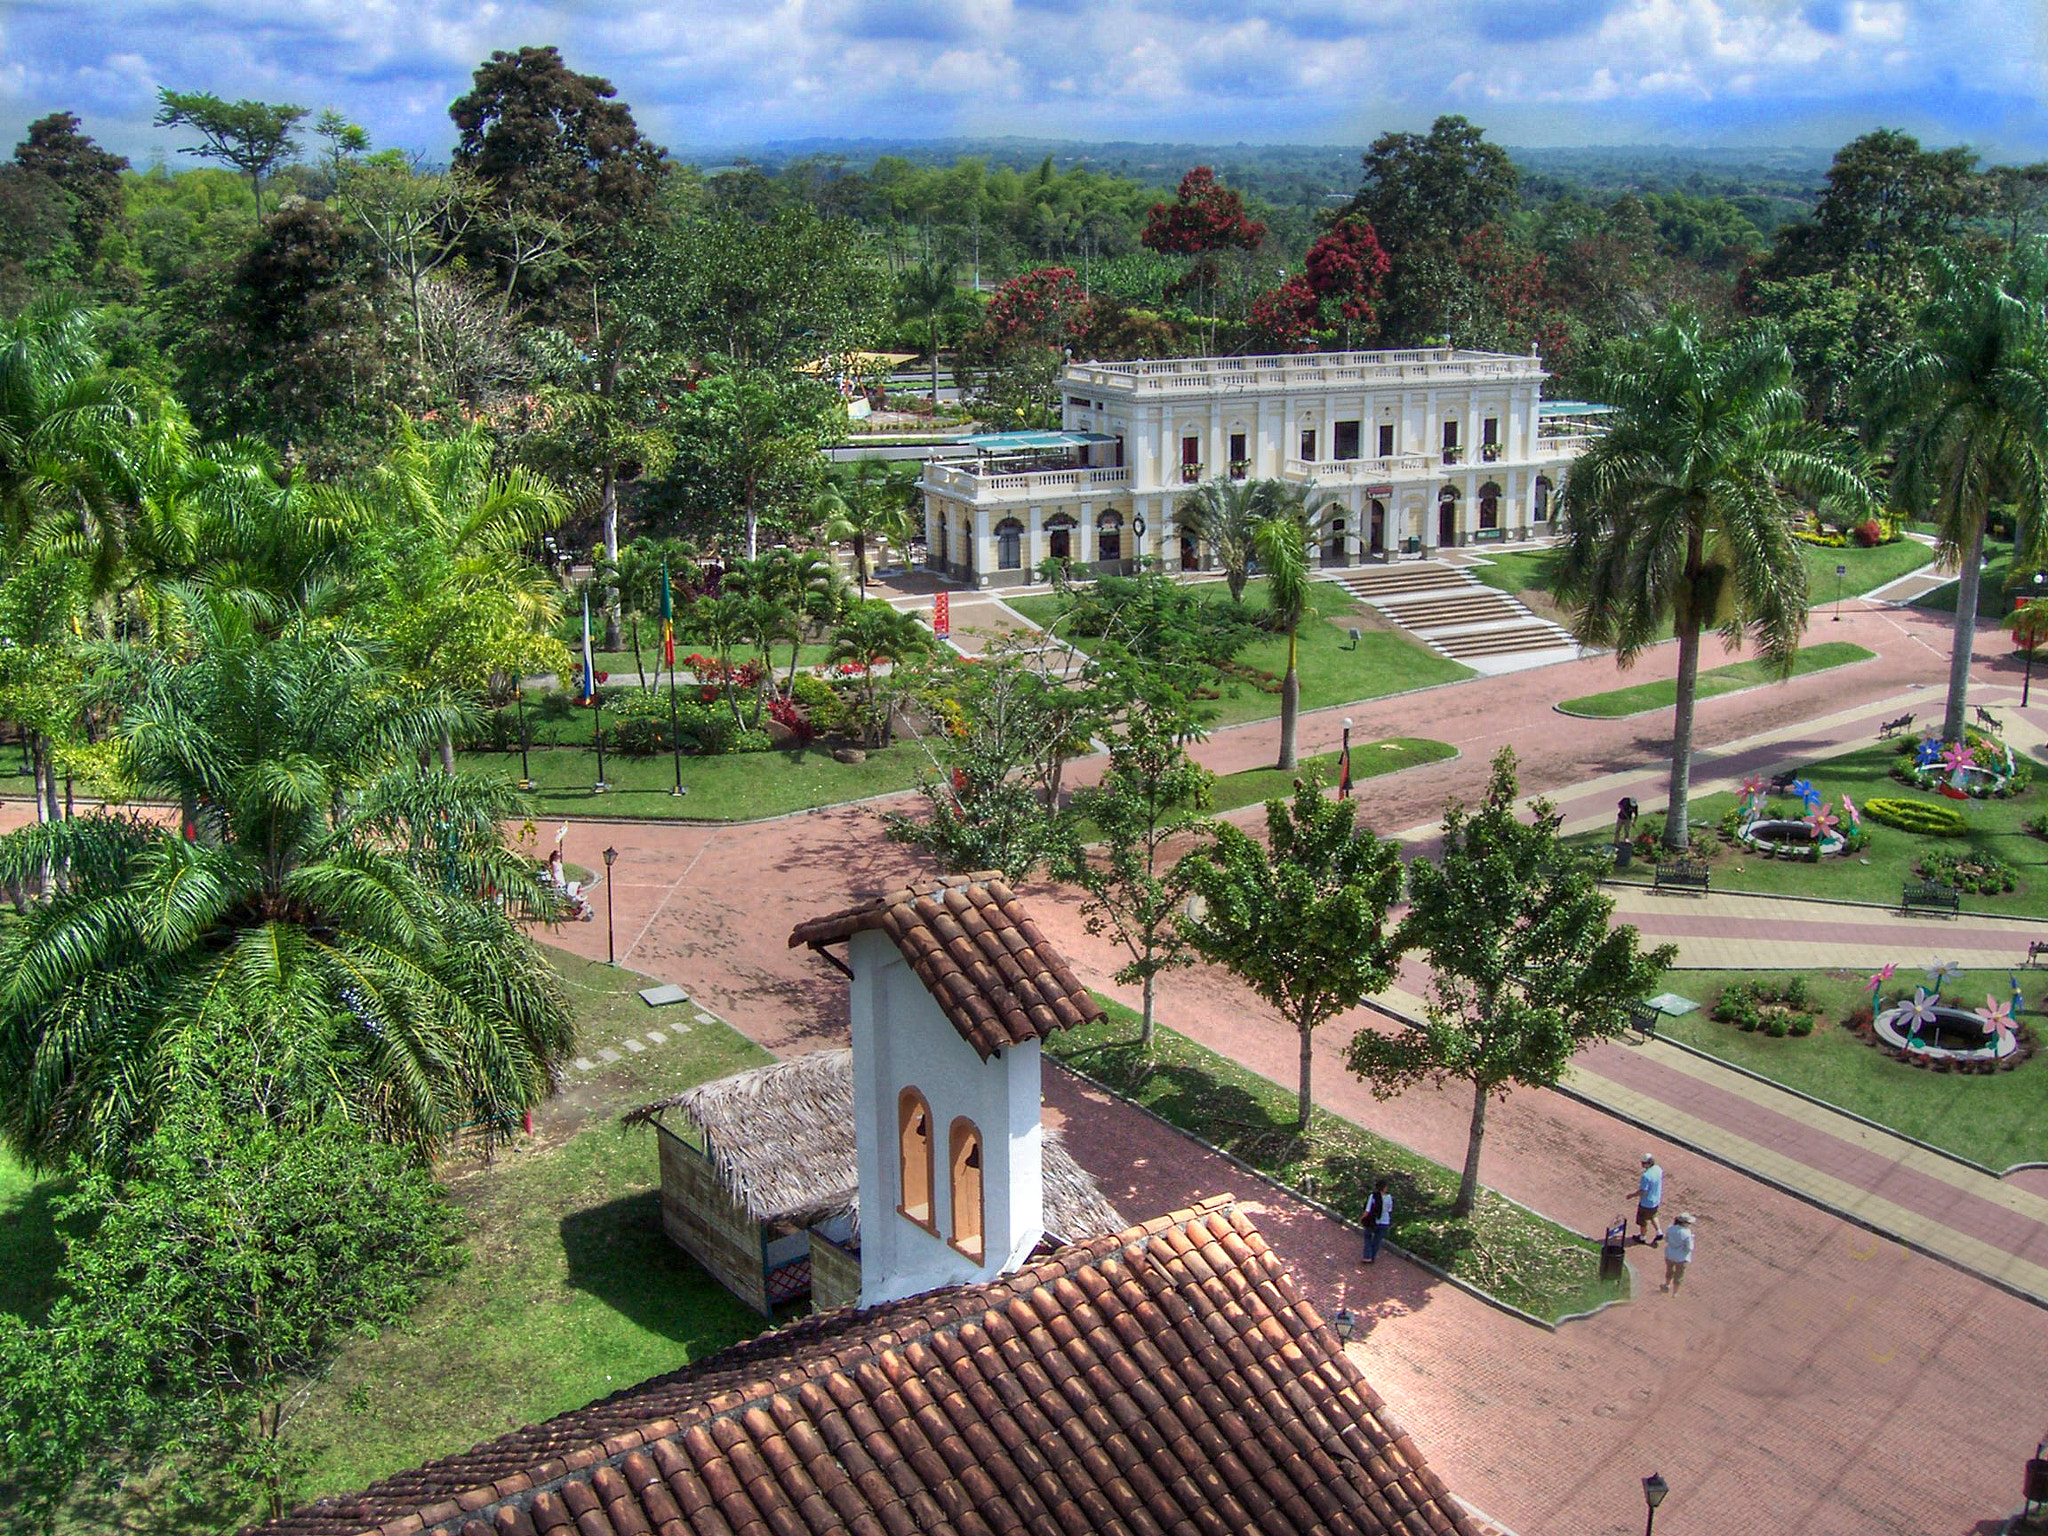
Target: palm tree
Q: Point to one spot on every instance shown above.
(928, 295)
(1281, 539)
(1965, 408)
(872, 634)
(1684, 510)
(355, 918)
(1224, 511)
(463, 602)
(867, 500)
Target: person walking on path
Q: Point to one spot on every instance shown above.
(1677, 1253)
(1379, 1216)
(1649, 1195)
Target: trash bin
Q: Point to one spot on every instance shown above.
(1614, 1250)
(1624, 854)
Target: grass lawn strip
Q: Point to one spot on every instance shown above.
(1715, 681)
(568, 1269)
(28, 1239)
(1876, 874)
(1992, 1119)
(1331, 671)
(1522, 570)
(735, 786)
(1369, 760)
(1511, 1253)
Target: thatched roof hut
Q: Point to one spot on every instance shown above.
(781, 1139)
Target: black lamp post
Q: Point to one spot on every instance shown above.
(2033, 638)
(1654, 1489)
(525, 772)
(611, 857)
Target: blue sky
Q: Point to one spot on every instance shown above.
(701, 75)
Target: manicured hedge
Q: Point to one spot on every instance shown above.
(1925, 818)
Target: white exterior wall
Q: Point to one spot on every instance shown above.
(901, 1040)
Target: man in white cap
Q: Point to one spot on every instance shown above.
(1649, 1195)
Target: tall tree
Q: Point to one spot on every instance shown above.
(1964, 409)
(1302, 918)
(1423, 194)
(1224, 513)
(255, 137)
(746, 452)
(1526, 965)
(88, 176)
(1684, 510)
(1152, 794)
(357, 919)
(551, 147)
(866, 504)
(928, 296)
(1281, 538)
(414, 220)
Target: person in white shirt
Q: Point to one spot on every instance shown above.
(1677, 1253)
(1379, 1218)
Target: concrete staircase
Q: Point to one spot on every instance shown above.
(1444, 608)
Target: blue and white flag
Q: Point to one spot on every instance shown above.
(589, 668)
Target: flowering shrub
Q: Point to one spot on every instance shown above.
(785, 713)
(1983, 874)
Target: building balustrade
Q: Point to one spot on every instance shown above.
(981, 484)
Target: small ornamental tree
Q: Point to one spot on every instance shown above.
(232, 1260)
(1527, 965)
(1302, 918)
(1153, 793)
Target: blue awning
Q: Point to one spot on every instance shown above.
(1033, 442)
(1571, 408)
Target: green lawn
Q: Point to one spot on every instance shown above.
(1995, 1120)
(1713, 682)
(1869, 569)
(1332, 672)
(571, 1290)
(739, 786)
(1255, 786)
(1525, 1260)
(1994, 601)
(28, 1239)
(1876, 874)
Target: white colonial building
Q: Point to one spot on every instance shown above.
(1421, 450)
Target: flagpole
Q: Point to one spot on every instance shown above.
(590, 696)
(668, 656)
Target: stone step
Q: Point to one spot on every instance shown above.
(1427, 575)
(1498, 642)
(1454, 608)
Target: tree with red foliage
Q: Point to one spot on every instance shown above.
(1031, 323)
(1204, 216)
(1339, 290)
(1047, 306)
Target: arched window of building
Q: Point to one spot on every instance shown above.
(1190, 546)
(1109, 538)
(965, 1163)
(939, 550)
(1489, 505)
(914, 1154)
(1333, 541)
(1009, 545)
(1059, 536)
(1542, 499)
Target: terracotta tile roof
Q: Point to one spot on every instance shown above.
(1167, 1378)
(978, 953)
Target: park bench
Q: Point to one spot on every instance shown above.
(1781, 783)
(1988, 720)
(2035, 951)
(1642, 1018)
(1930, 894)
(1691, 874)
(1892, 728)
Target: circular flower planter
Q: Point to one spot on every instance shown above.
(1956, 1035)
(1789, 838)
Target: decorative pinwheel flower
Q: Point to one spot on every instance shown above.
(1997, 1017)
(1958, 755)
(1755, 788)
(1884, 974)
(1849, 810)
(1920, 1014)
(1940, 972)
(1822, 820)
(1928, 752)
(1804, 790)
